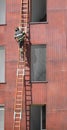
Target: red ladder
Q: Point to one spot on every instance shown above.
(19, 92)
(23, 75)
(28, 87)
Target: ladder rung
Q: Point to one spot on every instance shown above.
(27, 114)
(21, 61)
(24, 19)
(18, 104)
(28, 119)
(17, 121)
(28, 100)
(27, 110)
(20, 78)
(16, 126)
(28, 85)
(28, 90)
(19, 88)
(28, 105)
(28, 81)
(17, 117)
(22, 15)
(19, 91)
(20, 65)
(18, 113)
(20, 82)
(17, 108)
(18, 100)
(24, 7)
(19, 95)
(28, 95)
(24, 3)
(20, 70)
(24, 22)
(20, 74)
(28, 126)
(24, 10)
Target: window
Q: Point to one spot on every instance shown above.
(38, 117)
(2, 11)
(38, 63)
(2, 64)
(39, 11)
(1, 117)
(43, 117)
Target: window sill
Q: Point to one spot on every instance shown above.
(3, 24)
(2, 82)
(39, 81)
(39, 22)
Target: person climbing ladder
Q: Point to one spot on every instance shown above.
(20, 36)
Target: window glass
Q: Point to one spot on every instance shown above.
(2, 11)
(1, 118)
(39, 11)
(38, 63)
(38, 117)
(2, 64)
(43, 117)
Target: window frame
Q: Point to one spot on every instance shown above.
(39, 105)
(4, 81)
(30, 15)
(3, 24)
(2, 107)
(32, 81)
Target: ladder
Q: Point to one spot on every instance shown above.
(28, 97)
(23, 75)
(28, 87)
(18, 105)
(24, 15)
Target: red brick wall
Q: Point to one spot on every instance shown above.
(53, 93)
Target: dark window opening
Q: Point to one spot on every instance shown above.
(39, 11)
(44, 117)
(38, 117)
(38, 63)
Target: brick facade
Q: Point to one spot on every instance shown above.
(54, 35)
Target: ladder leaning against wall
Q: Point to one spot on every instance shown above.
(23, 75)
